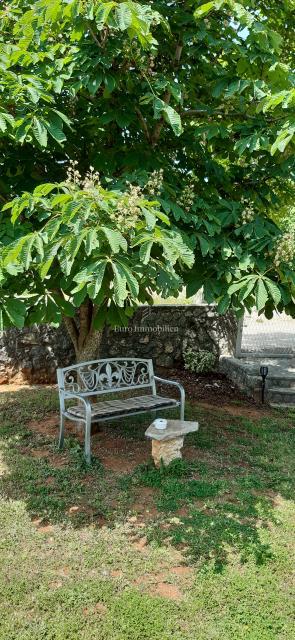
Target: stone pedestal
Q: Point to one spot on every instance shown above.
(167, 450)
(167, 443)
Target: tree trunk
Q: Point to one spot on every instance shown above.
(85, 339)
(87, 348)
(90, 350)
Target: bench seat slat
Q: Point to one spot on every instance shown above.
(113, 407)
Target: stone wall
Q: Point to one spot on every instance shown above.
(32, 354)
(160, 332)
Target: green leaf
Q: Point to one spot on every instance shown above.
(284, 137)
(123, 16)
(60, 198)
(205, 245)
(173, 118)
(204, 9)
(169, 114)
(102, 14)
(261, 295)
(94, 84)
(18, 206)
(16, 311)
(3, 123)
(247, 288)
(69, 252)
(91, 241)
(12, 252)
(223, 305)
(39, 245)
(273, 290)
(66, 307)
(40, 132)
(115, 239)
(7, 205)
(52, 227)
(9, 118)
(56, 132)
(120, 290)
(44, 189)
(94, 287)
(150, 218)
(145, 252)
(45, 267)
(236, 286)
(25, 255)
(244, 16)
(62, 116)
(132, 283)
(34, 94)
(110, 84)
(49, 256)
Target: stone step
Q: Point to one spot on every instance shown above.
(279, 381)
(282, 405)
(281, 395)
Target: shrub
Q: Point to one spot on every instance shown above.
(200, 361)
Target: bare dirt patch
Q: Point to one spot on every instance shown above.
(48, 426)
(170, 591)
(119, 454)
(144, 505)
(255, 412)
(164, 582)
(47, 528)
(182, 571)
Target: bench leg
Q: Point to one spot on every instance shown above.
(88, 437)
(61, 431)
(182, 411)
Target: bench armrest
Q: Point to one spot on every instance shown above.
(174, 384)
(65, 395)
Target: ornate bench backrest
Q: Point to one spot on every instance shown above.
(106, 376)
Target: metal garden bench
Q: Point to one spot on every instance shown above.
(84, 381)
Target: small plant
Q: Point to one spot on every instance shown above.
(200, 361)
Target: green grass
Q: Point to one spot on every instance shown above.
(226, 512)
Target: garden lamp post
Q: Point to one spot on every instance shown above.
(264, 374)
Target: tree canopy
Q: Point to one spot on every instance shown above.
(201, 94)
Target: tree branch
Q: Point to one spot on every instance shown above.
(143, 124)
(94, 36)
(85, 316)
(230, 114)
(104, 34)
(203, 112)
(167, 97)
(158, 128)
(72, 330)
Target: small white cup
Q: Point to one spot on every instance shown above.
(160, 423)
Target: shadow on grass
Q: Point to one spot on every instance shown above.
(218, 500)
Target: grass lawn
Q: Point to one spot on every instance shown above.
(120, 551)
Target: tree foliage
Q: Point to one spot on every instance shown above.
(203, 91)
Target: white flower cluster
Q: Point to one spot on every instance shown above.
(187, 197)
(285, 249)
(128, 210)
(90, 181)
(248, 213)
(73, 175)
(154, 185)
